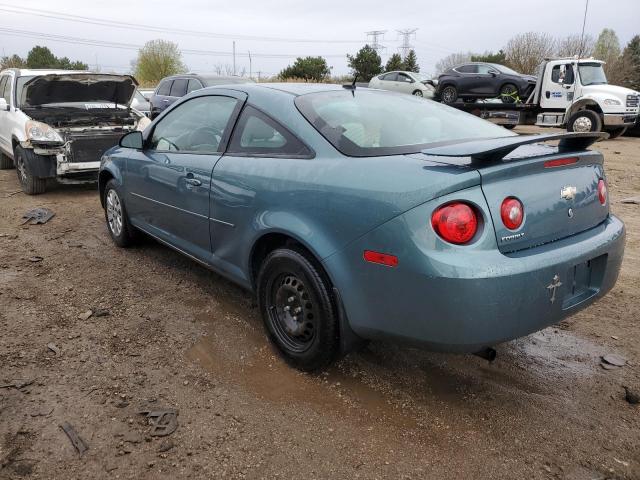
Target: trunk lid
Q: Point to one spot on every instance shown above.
(558, 201)
(92, 89)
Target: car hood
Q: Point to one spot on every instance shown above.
(79, 88)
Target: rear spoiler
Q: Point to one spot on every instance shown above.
(497, 148)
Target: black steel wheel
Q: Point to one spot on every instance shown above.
(297, 309)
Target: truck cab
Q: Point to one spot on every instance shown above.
(574, 93)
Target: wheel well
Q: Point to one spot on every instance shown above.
(14, 144)
(587, 106)
(272, 241)
(104, 177)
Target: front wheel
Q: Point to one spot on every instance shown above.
(584, 121)
(122, 232)
(298, 313)
(31, 185)
(509, 93)
(616, 132)
(418, 93)
(449, 94)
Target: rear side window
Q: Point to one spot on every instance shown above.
(467, 69)
(257, 134)
(197, 125)
(193, 85)
(389, 77)
(179, 88)
(165, 87)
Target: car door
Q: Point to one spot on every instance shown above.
(168, 182)
(389, 81)
(486, 83)
(178, 90)
(159, 100)
(559, 86)
(251, 178)
(467, 78)
(5, 134)
(405, 83)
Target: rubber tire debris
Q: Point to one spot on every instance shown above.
(38, 216)
(78, 443)
(163, 421)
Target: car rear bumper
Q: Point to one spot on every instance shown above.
(452, 300)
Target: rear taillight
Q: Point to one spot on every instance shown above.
(455, 222)
(602, 192)
(560, 162)
(512, 213)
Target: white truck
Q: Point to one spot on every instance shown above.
(570, 93)
(56, 124)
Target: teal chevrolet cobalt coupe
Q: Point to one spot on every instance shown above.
(358, 214)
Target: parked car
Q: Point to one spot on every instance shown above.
(405, 82)
(141, 104)
(475, 80)
(363, 214)
(172, 88)
(56, 124)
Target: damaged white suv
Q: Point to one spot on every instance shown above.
(58, 123)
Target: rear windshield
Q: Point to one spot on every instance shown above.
(372, 123)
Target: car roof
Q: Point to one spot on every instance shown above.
(294, 89)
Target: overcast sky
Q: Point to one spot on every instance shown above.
(335, 27)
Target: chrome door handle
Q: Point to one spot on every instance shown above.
(193, 181)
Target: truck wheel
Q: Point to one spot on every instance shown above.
(449, 94)
(122, 232)
(30, 184)
(584, 121)
(298, 313)
(616, 132)
(5, 162)
(509, 93)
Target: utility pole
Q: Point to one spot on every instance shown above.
(406, 35)
(250, 65)
(373, 39)
(234, 57)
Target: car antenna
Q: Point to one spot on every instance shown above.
(352, 87)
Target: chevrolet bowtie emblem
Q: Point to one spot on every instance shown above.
(568, 192)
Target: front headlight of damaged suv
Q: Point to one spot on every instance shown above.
(612, 101)
(42, 133)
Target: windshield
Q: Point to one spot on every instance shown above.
(373, 123)
(503, 69)
(592, 74)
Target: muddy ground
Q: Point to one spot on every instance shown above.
(179, 336)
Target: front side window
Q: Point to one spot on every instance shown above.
(257, 134)
(179, 88)
(404, 78)
(193, 85)
(375, 122)
(562, 74)
(197, 125)
(484, 69)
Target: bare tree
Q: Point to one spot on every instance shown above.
(575, 44)
(526, 51)
(452, 60)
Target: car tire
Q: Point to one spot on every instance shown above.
(509, 126)
(584, 121)
(449, 94)
(616, 132)
(509, 93)
(5, 162)
(122, 232)
(31, 185)
(290, 286)
(417, 93)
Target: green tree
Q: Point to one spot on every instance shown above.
(14, 61)
(411, 62)
(41, 57)
(630, 63)
(394, 63)
(366, 63)
(607, 49)
(158, 59)
(308, 68)
(489, 57)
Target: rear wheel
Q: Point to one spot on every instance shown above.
(122, 232)
(509, 93)
(5, 162)
(584, 121)
(31, 185)
(297, 309)
(616, 132)
(449, 94)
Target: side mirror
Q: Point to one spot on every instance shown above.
(4, 107)
(132, 140)
(493, 73)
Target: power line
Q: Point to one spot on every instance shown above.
(406, 38)
(151, 28)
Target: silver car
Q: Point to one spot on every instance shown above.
(405, 82)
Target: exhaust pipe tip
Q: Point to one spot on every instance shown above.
(488, 353)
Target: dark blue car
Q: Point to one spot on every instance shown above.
(361, 214)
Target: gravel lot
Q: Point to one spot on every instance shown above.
(179, 336)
